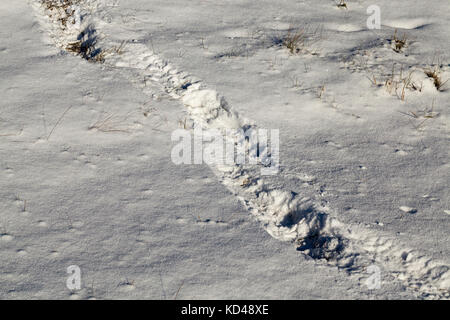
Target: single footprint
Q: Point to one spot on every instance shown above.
(120, 161)
(143, 157)
(42, 224)
(22, 252)
(147, 192)
(127, 286)
(74, 296)
(6, 237)
(333, 144)
(400, 152)
(407, 209)
(54, 253)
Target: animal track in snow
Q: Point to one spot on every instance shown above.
(22, 252)
(285, 215)
(126, 286)
(407, 209)
(400, 152)
(211, 222)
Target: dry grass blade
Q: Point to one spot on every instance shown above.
(11, 134)
(178, 291)
(58, 122)
(120, 48)
(111, 123)
(372, 79)
(321, 91)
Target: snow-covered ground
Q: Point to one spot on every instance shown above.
(92, 90)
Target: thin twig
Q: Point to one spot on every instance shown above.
(11, 134)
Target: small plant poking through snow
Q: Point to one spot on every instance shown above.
(435, 75)
(342, 4)
(398, 43)
(320, 91)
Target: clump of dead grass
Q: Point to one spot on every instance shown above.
(301, 40)
(398, 83)
(435, 74)
(295, 40)
(398, 43)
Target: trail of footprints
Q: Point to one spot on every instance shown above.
(308, 223)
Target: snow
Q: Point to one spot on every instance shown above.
(87, 177)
